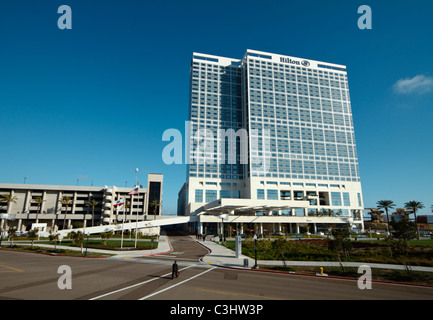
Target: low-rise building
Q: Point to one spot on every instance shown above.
(63, 207)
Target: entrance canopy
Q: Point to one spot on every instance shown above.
(228, 205)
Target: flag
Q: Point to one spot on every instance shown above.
(134, 191)
(119, 202)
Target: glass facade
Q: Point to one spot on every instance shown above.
(305, 115)
(215, 104)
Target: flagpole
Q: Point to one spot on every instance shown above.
(136, 228)
(123, 223)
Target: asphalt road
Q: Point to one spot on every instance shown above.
(32, 276)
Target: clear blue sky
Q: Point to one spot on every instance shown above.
(92, 103)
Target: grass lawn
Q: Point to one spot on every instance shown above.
(420, 252)
(62, 252)
(112, 244)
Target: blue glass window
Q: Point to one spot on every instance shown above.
(272, 194)
(346, 199)
(336, 198)
(198, 195)
(211, 195)
(225, 194)
(261, 194)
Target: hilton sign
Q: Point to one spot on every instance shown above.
(304, 63)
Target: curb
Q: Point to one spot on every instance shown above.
(154, 254)
(208, 249)
(54, 254)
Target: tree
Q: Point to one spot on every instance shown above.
(92, 203)
(404, 229)
(399, 251)
(54, 237)
(39, 201)
(341, 243)
(11, 236)
(280, 246)
(65, 201)
(386, 204)
(155, 204)
(105, 236)
(415, 206)
(33, 235)
(77, 238)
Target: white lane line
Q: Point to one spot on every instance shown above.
(175, 285)
(135, 285)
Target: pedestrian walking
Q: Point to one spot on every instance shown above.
(174, 270)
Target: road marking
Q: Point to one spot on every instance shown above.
(175, 285)
(11, 269)
(237, 294)
(135, 285)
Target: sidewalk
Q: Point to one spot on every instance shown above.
(222, 256)
(163, 247)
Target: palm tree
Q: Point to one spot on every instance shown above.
(386, 204)
(8, 198)
(92, 203)
(155, 204)
(65, 201)
(39, 201)
(414, 205)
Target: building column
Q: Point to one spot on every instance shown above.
(27, 202)
(297, 227)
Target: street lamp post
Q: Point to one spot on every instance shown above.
(255, 252)
(87, 242)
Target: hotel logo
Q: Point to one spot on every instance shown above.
(304, 63)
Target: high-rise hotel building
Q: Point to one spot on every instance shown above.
(272, 145)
